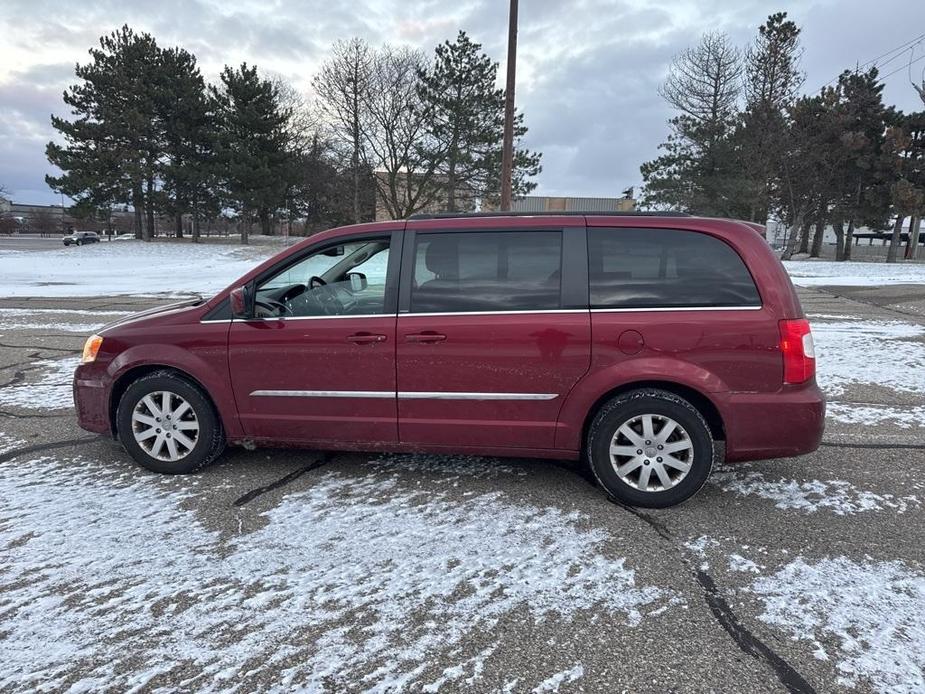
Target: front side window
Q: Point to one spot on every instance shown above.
(487, 271)
(343, 280)
(666, 268)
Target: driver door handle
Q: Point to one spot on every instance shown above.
(365, 338)
(425, 337)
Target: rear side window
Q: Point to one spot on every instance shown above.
(666, 268)
(487, 271)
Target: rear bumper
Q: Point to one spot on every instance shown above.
(773, 425)
(91, 400)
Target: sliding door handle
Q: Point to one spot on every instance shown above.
(425, 337)
(365, 338)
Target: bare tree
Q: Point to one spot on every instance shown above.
(697, 172)
(45, 222)
(704, 81)
(398, 125)
(343, 87)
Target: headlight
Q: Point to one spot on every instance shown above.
(91, 347)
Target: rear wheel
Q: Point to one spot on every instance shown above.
(650, 448)
(168, 425)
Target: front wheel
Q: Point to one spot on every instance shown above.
(168, 425)
(650, 448)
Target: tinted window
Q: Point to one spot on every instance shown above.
(487, 271)
(642, 268)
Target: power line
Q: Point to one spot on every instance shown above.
(903, 67)
(900, 49)
(911, 49)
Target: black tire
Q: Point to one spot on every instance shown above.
(211, 437)
(661, 403)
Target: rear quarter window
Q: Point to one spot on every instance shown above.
(666, 268)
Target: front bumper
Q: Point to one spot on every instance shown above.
(91, 400)
(774, 425)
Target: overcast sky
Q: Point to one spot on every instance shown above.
(587, 69)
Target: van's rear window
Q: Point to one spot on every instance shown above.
(666, 268)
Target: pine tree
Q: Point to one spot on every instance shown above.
(772, 80)
(863, 191)
(189, 122)
(251, 149)
(112, 146)
(464, 111)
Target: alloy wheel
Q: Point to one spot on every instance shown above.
(165, 425)
(651, 452)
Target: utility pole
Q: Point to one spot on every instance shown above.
(507, 154)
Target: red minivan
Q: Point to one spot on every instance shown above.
(650, 344)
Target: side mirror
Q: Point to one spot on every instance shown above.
(238, 301)
(358, 281)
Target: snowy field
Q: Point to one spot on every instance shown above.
(816, 273)
(135, 268)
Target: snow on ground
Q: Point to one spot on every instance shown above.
(814, 273)
(553, 683)
(887, 353)
(874, 612)
(51, 319)
(837, 496)
(739, 563)
(8, 443)
(701, 544)
(871, 415)
(145, 269)
(52, 391)
(358, 579)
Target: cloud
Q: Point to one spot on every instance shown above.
(587, 69)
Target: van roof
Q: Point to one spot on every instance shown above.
(587, 213)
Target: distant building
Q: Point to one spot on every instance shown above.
(51, 219)
(465, 198)
(541, 203)
(41, 218)
(467, 201)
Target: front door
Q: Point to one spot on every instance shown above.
(489, 340)
(317, 362)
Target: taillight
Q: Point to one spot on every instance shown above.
(796, 345)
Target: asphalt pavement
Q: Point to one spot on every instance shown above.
(286, 569)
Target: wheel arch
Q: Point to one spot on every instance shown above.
(126, 379)
(704, 404)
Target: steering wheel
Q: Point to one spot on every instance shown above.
(272, 305)
(314, 282)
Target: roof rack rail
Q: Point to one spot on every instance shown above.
(466, 215)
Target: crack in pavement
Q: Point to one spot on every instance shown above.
(38, 448)
(283, 481)
(724, 614)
